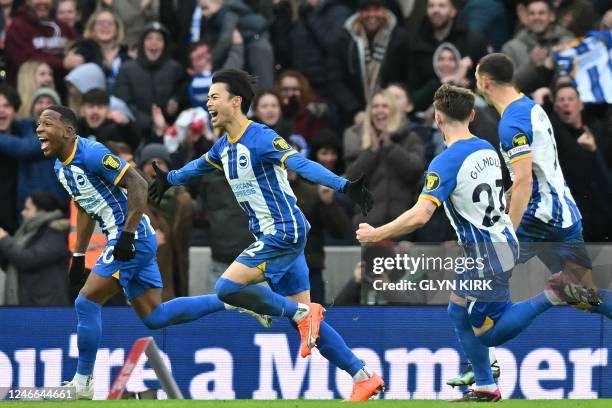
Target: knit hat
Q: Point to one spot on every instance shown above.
(44, 91)
(154, 151)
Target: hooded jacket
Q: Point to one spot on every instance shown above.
(469, 44)
(142, 83)
(347, 65)
(39, 252)
(27, 38)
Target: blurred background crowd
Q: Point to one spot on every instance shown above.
(348, 83)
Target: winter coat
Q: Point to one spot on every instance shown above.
(588, 178)
(35, 171)
(393, 172)
(217, 29)
(41, 260)
(527, 76)
(27, 38)
(312, 39)
(347, 67)
(142, 83)
(421, 70)
(109, 131)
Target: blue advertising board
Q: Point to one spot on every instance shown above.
(227, 355)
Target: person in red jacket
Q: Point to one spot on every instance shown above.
(35, 34)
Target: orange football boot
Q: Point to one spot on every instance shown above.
(366, 389)
(309, 328)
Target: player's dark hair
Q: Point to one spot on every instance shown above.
(498, 67)
(548, 3)
(11, 95)
(45, 201)
(564, 85)
(238, 83)
(95, 97)
(66, 114)
(454, 102)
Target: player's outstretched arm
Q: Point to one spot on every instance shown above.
(406, 223)
(164, 180)
(313, 171)
(521, 189)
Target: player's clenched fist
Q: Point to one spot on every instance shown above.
(367, 234)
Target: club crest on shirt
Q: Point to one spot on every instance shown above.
(432, 181)
(243, 161)
(519, 139)
(111, 162)
(280, 144)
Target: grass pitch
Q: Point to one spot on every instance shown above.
(601, 403)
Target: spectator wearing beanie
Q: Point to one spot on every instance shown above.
(41, 100)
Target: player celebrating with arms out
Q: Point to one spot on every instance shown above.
(107, 190)
(253, 158)
(467, 178)
(543, 212)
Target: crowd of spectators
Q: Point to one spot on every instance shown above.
(348, 83)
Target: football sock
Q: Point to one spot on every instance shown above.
(333, 347)
(476, 352)
(258, 298)
(605, 308)
(362, 374)
(492, 357)
(182, 310)
(515, 319)
(89, 331)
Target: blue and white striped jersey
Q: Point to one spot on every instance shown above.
(90, 176)
(526, 131)
(254, 165)
(588, 61)
(467, 178)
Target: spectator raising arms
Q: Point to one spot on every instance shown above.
(35, 34)
(37, 255)
(389, 154)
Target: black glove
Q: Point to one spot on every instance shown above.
(359, 193)
(124, 248)
(76, 275)
(160, 184)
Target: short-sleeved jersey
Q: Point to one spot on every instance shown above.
(253, 164)
(467, 178)
(526, 131)
(90, 176)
